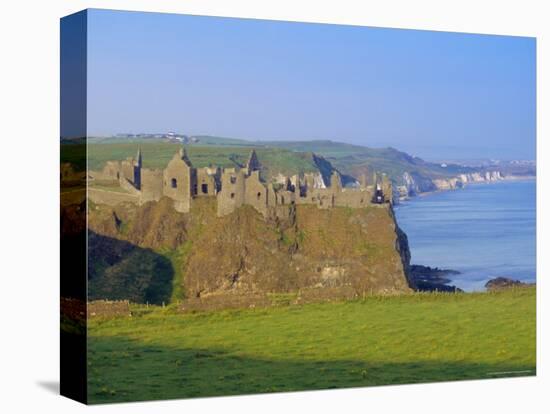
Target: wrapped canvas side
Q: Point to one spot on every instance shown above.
(73, 204)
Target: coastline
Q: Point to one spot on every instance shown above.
(440, 189)
(424, 230)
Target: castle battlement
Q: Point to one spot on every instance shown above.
(232, 187)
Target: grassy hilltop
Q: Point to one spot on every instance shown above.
(159, 354)
(353, 159)
(156, 155)
(356, 159)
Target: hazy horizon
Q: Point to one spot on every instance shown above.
(435, 95)
(422, 154)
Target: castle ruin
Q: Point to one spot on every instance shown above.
(128, 181)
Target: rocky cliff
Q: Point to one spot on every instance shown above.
(338, 253)
(415, 184)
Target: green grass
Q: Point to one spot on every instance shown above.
(157, 155)
(160, 354)
(178, 258)
(348, 157)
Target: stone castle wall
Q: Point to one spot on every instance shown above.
(127, 185)
(256, 194)
(177, 183)
(207, 181)
(111, 198)
(152, 186)
(181, 182)
(127, 169)
(232, 193)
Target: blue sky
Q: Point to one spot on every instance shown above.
(433, 94)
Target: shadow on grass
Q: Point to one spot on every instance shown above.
(118, 269)
(124, 370)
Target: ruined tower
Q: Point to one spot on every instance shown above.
(178, 181)
(253, 164)
(387, 188)
(137, 170)
(335, 182)
(232, 194)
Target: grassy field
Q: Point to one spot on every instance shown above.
(157, 155)
(159, 354)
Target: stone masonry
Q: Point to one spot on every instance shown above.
(232, 187)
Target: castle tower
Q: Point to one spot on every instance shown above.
(232, 194)
(180, 181)
(253, 164)
(387, 188)
(184, 157)
(335, 181)
(139, 158)
(137, 169)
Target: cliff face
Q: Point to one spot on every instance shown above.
(346, 252)
(461, 180)
(415, 184)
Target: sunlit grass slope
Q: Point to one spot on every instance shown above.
(157, 155)
(159, 354)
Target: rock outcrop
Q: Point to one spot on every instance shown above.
(432, 279)
(500, 283)
(415, 184)
(347, 252)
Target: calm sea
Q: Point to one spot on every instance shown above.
(483, 231)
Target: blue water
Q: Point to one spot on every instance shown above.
(483, 231)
